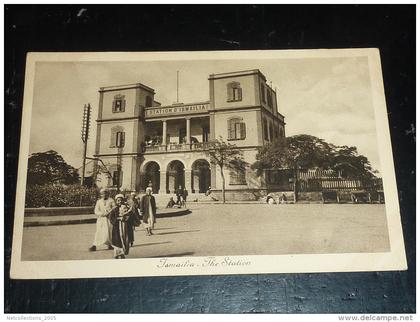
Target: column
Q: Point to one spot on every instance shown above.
(164, 130)
(162, 186)
(142, 178)
(195, 180)
(187, 175)
(134, 174)
(188, 130)
(213, 169)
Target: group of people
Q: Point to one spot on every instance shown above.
(181, 199)
(282, 199)
(117, 220)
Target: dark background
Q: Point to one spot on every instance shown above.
(229, 27)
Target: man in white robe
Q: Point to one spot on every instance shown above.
(103, 226)
(148, 211)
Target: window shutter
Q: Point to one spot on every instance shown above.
(115, 178)
(266, 130)
(243, 130)
(113, 139)
(120, 178)
(113, 106)
(229, 92)
(122, 105)
(230, 130)
(122, 139)
(118, 142)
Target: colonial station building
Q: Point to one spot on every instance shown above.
(142, 143)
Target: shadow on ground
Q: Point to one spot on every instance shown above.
(181, 212)
(173, 255)
(178, 232)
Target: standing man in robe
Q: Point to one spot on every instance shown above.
(178, 196)
(148, 211)
(184, 197)
(120, 218)
(134, 220)
(103, 227)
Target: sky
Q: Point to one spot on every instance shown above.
(326, 97)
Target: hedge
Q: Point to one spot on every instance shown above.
(59, 196)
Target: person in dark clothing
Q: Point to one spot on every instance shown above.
(208, 192)
(178, 196)
(171, 203)
(283, 199)
(134, 219)
(184, 197)
(148, 211)
(119, 218)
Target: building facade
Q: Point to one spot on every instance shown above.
(142, 143)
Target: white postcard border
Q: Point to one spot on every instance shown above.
(393, 260)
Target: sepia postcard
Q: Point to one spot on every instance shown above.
(201, 163)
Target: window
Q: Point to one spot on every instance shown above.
(149, 101)
(263, 92)
(118, 104)
(265, 125)
(281, 132)
(276, 132)
(269, 98)
(271, 131)
(120, 139)
(237, 174)
(236, 129)
(117, 178)
(117, 137)
(234, 92)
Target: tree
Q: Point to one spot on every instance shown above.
(305, 152)
(226, 156)
(50, 167)
(351, 164)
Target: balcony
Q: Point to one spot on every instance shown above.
(199, 146)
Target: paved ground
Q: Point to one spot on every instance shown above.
(234, 229)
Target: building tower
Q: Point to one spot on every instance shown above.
(243, 111)
(120, 133)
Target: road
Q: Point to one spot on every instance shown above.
(231, 229)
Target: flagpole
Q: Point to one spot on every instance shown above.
(177, 86)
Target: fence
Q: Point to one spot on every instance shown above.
(319, 180)
(332, 184)
(317, 174)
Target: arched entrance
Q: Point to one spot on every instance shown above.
(201, 179)
(152, 176)
(175, 176)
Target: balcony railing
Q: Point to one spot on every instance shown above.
(155, 148)
(177, 147)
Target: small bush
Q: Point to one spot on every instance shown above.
(49, 195)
